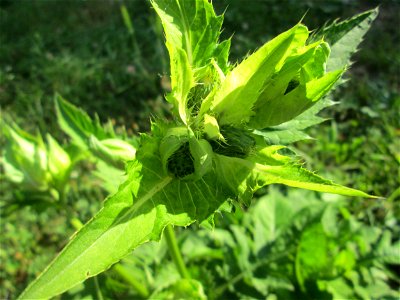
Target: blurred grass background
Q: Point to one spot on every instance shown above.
(84, 51)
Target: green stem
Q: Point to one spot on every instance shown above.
(131, 30)
(98, 291)
(174, 251)
(128, 278)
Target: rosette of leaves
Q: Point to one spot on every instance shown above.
(34, 165)
(185, 170)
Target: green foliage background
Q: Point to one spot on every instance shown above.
(85, 52)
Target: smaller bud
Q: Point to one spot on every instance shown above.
(113, 151)
(59, 163)
(211, 128)
(25, 159)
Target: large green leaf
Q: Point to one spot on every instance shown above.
(193, 27)
(137, 213)
(182, 80)
(345, 37)
(245, 176)
(192, 31)
(293, 130)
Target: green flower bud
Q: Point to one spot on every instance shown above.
(34, 165)
(59, 163)
(25, 159)
(211, 128)
(113, 151)
(183, 156)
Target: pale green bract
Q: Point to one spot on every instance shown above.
(218, 147)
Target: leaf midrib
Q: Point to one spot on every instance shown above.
(186, 33)
(164, 182)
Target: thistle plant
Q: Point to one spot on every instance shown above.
(217, 149)
(33, 165)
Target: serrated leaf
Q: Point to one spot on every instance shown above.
(304, 65)
(193, 27)
(274, 136)
(221, 55)
(182, 80)
(285, 108)
(344, 37)
(137, 213)
(77, 124)
(245, 176)
(192, 31)
(292, 131)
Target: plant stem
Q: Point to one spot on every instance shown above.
(174, 251)
(98, 291)
(128, 278)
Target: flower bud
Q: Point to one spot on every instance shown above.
(211, 128)
(113, 151)
(183, 156)
(59, 163)
(25, 159)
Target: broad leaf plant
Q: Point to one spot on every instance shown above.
(226, 141)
